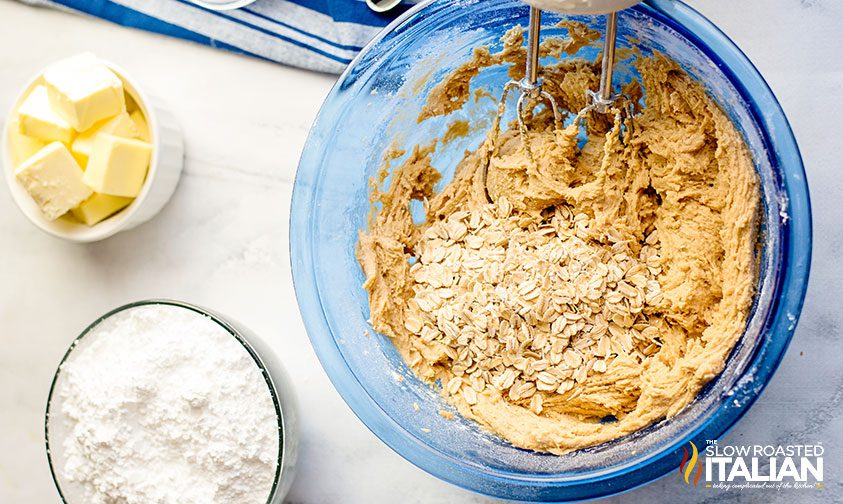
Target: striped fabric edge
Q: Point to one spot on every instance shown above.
(344, 34)
(275, 30)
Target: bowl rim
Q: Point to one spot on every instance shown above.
(790, 283)
(110, 225)
(219, 320)
(223, 5)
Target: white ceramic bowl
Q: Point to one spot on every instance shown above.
(161, 179)
(223, 5)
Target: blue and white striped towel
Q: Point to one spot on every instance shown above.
(322, 35)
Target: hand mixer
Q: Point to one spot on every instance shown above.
(531, 85)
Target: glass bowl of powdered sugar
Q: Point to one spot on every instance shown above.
(163, 401)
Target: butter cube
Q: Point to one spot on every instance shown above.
(84, 91)
(37, 119)
(98, 207)
(117, 165)
(143, 127)
(131, 104)
(21, 146)
(54, 180)
(120, 125)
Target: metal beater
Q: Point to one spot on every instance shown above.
(530, 86)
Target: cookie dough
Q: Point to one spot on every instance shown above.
(673, 181)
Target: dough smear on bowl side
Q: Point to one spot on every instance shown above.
(607, 282)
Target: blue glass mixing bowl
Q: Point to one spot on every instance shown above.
(374, 105)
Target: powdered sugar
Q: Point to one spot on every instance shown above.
(160, 404)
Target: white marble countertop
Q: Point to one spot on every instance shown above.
(222, 243)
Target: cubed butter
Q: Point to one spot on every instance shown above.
(117, 165)
(54, 180)
(21, 147)
(120, 125)
(99, 207)
(131, 104)
(84, 91)
(37, 119)
(143, 127)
